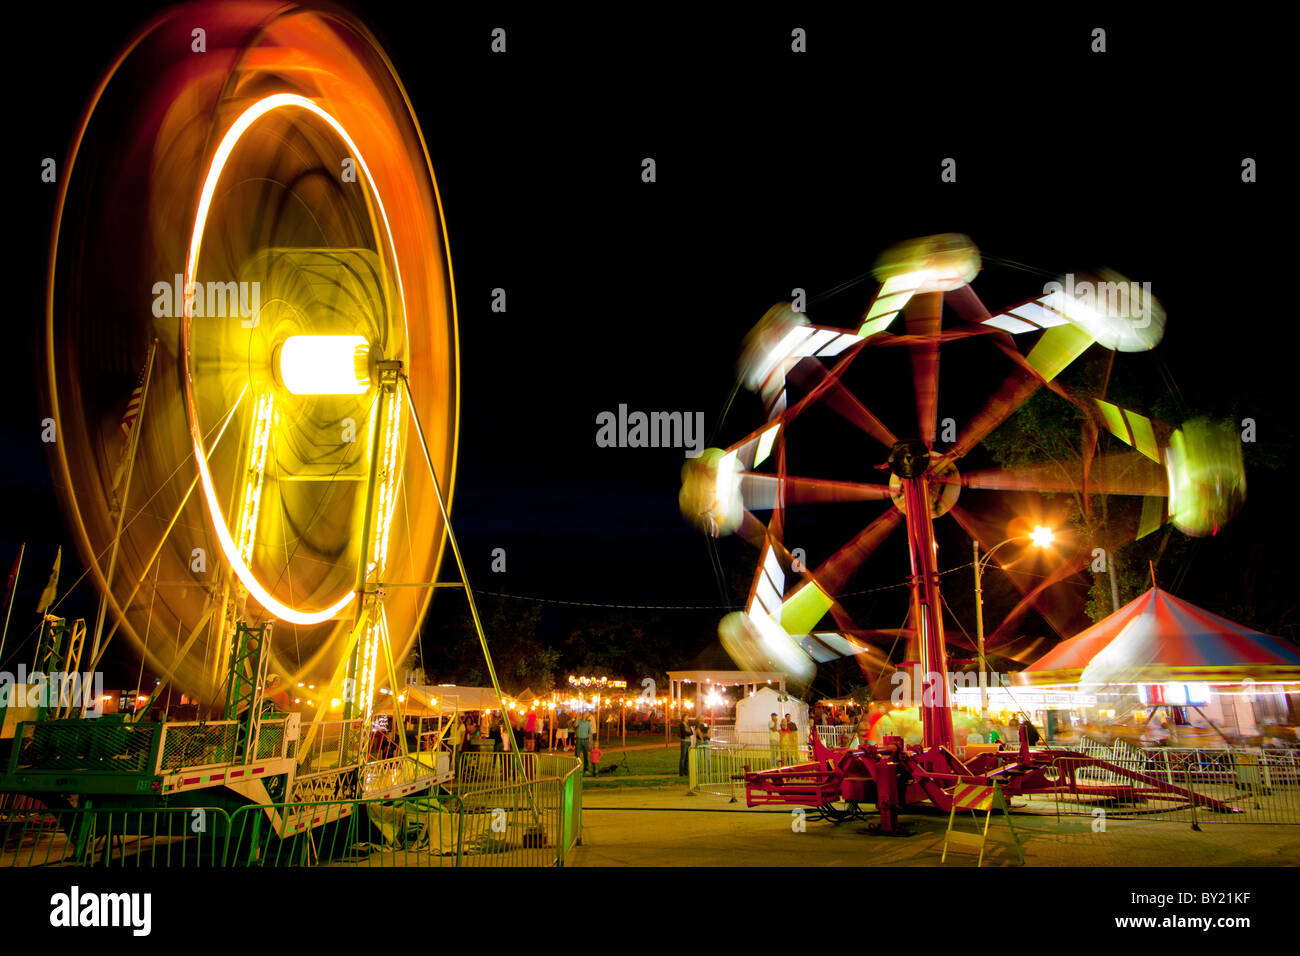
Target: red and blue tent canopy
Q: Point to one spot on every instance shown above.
(1157, 638)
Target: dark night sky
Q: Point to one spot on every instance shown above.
(774, 171)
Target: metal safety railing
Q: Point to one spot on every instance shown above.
(416, 831)
(533, 823)
(482, 770)
(714, 768)
(1195, 785)
(392, 772)
(516, 826)
(159, 836)
(1159, 784)
(832, 735)
(482, 778)
(837, 735)
(195, 744)
(329, 745)
(84, 745)
(271, 741)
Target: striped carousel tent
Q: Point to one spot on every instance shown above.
(1157, 638)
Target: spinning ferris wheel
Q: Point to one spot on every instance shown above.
(1191, 476)
(249, 234)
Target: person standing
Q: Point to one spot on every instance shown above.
(702, 741)
(789, 741)
(864, 727)
(455, 737)
(530, 731)
(582, 741)
(774, 739)
(879, 724)
(688, 737)
(562, 731)
(1031, 732)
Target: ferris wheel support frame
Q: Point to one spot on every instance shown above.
(464, 578)
(121, 507)
(935, 696)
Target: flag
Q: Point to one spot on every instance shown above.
(47, 596)
(133, 406)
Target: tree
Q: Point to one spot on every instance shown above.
(452, 652)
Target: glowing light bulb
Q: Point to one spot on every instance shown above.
(325, 364)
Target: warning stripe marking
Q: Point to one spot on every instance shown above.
(971, 796)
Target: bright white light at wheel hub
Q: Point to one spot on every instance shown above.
(325, 364)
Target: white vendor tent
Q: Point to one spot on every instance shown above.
(754, 712)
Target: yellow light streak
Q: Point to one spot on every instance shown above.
(263, 420)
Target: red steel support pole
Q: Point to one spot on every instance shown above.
(935, 696)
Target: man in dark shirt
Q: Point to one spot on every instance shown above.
(688, 733)
(562, 730)
(582, 740)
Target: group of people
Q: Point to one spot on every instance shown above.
(1006, 735)
(576, 733)
(469, 730)
(783, 739)
(530, 728)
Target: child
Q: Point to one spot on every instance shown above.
(596, 754)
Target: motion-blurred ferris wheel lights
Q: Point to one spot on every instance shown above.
(933, 264)
(710, 497)
(771, 342)
(325, 364)
(1207, 476)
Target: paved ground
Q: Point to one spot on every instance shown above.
(665, 827)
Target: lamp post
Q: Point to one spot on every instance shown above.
(1041, 538)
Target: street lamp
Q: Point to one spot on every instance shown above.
(1040, 537)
